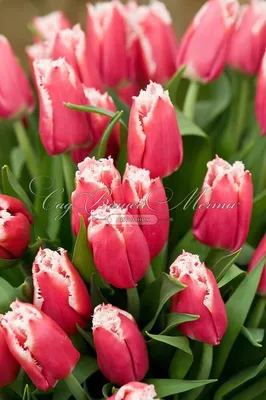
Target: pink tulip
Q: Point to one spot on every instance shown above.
(40, 346)
(16, 97)
(135, 391)
(201, 297)
(48, 25)
(107, 40)
(61, 129)
(99, 124)
(121, 350)
(154, 140)
(260, 103)
(249, 39)
(97, 182)
(205, 45)
(224, 210)
(146, 199)
(59, 291)
(120, 250)
(259, 253)
(15, 224)
(8, 364)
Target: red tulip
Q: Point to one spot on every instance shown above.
(204, 47)
(121, 350)
(154, 140)
(224, 210)
(48, 25)
(97, 182)
(257, 256)
(59, 291)
(39, 345)
(201, 297)
(15, 227)
(135, 391)
(9, 365)
(249, 39)
(16, 97)
(71, 44)
(120, 250)
(61, 129)
(260, 103)
(99, 124)
(107, 40)
(147, 200)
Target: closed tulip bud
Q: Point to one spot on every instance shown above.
(16, 98)
(48, 25)
(99, 124)
(204, 47)
(59, 291)
(260, 102)
(154, 140)
(120, 250)
(97, 182)
(61, 129)
(224, 209)
(9, 365)
(257, 256)
(40, 346)
(15, 224)
(107, 40)
(248, 42)
(71, 44)
(201, 297)
(135, 390)
(121, 350)
(146, 199)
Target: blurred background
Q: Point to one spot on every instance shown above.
(16, 14)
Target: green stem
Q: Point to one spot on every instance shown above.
(257, 313)
(149, 277)
(242, 110)
(69, 173)
(75, 388)
(133, 302)
(191, 99)
(26, 147)
(262, 181)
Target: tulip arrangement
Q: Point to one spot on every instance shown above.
(133, 206)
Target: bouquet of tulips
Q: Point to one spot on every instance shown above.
(133, 206)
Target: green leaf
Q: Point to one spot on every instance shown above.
(188, 128)
(180, 342)
(255, 391)
(8, 295)
(175, 319)
(82, 255)
(17, 161)
(233, 273)
(254, 335)
(96, 295)
(26, 393)
(86, 367)
(246, 254)
(107, 133)
(87, 336)
(224, 264)
(174, 83)
(151, 303)
(8, 263)
(237, 308)
(258, 219)
(192, 245)
(120, 105)
(238, 380)
(122, 156)
(168, 387)
(180, 364)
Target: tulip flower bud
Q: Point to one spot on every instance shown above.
(15, 227)
(224, 209)
(121, 350)
(201, 297)
(16, 97)
(204, 46)
(154, 140)
(99, 124)
(257, 256)
(59, 291)
(97, 182)
(48, 25)
(8, 364)
(71, 44)
(107, 40)
(146, 199)
(61, 129)
(135, 390)
(40, 346)
(120, 250)
(248, 42)
(260, 103)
